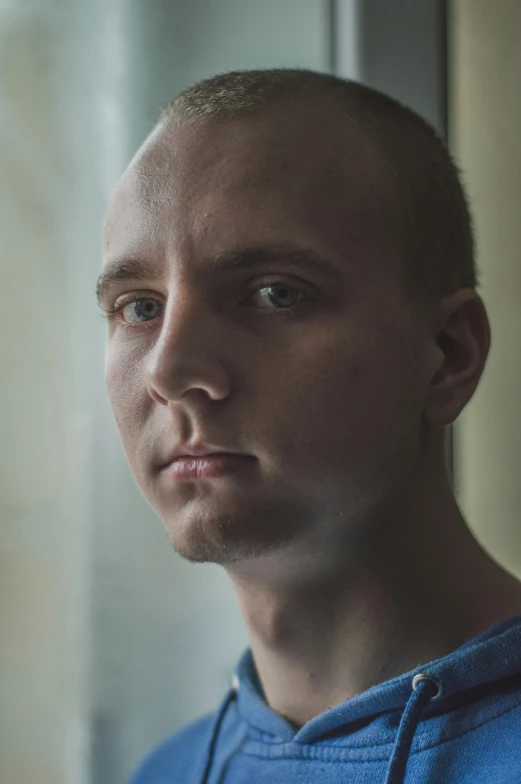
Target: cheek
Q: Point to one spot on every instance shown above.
(114, 382)
(126, 394)
(345, 413)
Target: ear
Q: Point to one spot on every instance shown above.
(462, 338)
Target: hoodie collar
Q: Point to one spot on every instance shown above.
(491, 655)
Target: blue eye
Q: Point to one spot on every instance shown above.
(144, 308)
(286, 292)
(143, 311)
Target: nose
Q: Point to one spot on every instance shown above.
(187, 354)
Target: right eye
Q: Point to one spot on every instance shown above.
(140, 307)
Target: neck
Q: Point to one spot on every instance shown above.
(420, 590)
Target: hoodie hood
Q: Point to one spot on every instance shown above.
(385, 723)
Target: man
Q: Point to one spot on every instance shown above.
(289, 279)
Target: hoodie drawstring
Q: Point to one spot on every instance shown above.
(425, 687)
(230, 697)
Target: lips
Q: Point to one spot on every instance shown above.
(211, 466)
(198, 449)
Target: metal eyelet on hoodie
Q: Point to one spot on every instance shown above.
(425, 676)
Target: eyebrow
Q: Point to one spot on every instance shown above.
(121, 270)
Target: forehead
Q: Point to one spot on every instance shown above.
(206, 187)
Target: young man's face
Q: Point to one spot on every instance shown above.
(321, 378)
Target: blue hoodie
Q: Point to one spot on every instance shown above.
(456, 719)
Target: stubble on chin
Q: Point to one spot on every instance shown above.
(226, 539)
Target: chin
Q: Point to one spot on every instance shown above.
(224, 540)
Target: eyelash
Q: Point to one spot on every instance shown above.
(110, 314)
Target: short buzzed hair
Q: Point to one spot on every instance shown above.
(438, 238)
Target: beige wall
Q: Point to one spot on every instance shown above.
(485, 135)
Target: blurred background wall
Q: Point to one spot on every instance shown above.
(108, 640)
(485, 132)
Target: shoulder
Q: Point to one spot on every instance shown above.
(176, 758)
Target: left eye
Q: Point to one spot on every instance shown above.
(285, 293)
